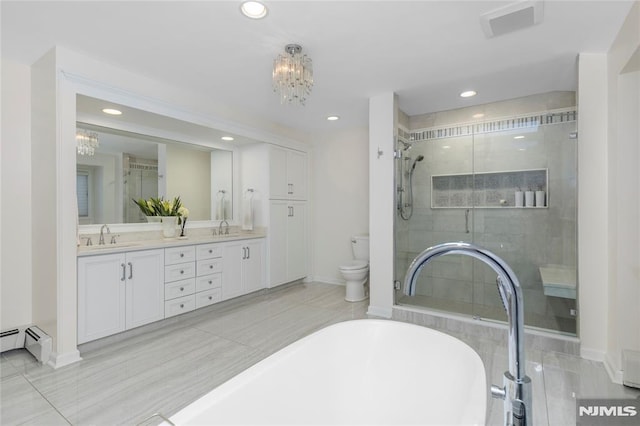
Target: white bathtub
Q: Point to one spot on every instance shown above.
(355, 372)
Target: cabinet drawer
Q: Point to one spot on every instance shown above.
(208, 297)
(179, 289)
(208, 251)
(179, 255)
(179, 306)
(210, 266)
(181, 271)
(207, 282)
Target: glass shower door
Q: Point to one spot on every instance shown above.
(441, 188)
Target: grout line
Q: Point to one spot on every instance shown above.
(46, 399)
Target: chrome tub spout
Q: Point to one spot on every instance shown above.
(516, 392)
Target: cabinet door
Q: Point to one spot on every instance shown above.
(253, 266)
(145, 287)
(232, 270)
(297, 175)
(101, 296)
(278, 187)
(297, 241)
(278, 222)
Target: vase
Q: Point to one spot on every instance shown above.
(169, 224)
(154, 219)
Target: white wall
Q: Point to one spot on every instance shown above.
(623, 89)
(382, 134)
(15, 290)
(592, 212)
(340, 183)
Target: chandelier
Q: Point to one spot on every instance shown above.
(292, 75)
(86, 142)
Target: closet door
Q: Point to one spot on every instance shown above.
(279, 218)
(297, 240)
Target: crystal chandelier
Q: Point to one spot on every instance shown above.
(292, 75)
(86, 142)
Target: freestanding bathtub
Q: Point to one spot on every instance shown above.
(355, 372)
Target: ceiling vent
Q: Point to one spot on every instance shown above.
(512, 17)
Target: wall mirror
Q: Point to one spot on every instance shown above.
(138, 154)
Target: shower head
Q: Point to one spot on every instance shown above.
(405, 145)
(419, 158)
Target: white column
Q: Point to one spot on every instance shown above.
(382, 130)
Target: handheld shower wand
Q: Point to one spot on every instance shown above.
(406, 208)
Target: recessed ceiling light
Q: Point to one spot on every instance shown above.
(112, 111)
(468, 94)
(518, 137)
(227, 138)
(446, 147)
(478, 115)
(253, 9)
(333, 118)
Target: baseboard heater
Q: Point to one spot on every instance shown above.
(33, 339)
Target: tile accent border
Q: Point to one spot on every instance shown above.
(499, 125)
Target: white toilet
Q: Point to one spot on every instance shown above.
(356, 272)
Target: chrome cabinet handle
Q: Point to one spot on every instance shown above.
(210, 282)
(210, 266)
(181, 271)
(210, 251)
(210, 297)
(124, 272)
(244, 253)
(248, 252)
(182, 305)
(181, 288)
(181, 254)
(130, 270)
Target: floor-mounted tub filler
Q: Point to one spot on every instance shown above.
(355, 372)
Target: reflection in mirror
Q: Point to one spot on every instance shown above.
(127, 166)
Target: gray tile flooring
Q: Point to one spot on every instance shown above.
(165, 366)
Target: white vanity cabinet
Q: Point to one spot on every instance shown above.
(180, 280)
(287, 241)
(117, 292)
(287, 174)
(244, 268)
(209, 266)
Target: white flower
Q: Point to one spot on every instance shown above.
(183, 211)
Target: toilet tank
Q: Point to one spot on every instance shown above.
(360, 247)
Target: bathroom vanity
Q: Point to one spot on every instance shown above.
(123, 286)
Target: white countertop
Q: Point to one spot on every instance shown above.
(123, 246)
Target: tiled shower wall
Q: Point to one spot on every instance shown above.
(524, 238)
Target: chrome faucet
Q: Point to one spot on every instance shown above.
(226, 229)
(101, 240)
(516, 391)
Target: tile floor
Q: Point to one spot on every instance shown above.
(165, 366)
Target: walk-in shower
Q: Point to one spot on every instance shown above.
(506, 182)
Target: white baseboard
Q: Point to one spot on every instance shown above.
(615, 374)
(328, 280)
(592, 354)
(379, 311)
(57, 360)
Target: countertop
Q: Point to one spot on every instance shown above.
(147, 244)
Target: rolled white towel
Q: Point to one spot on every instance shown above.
(247, 214)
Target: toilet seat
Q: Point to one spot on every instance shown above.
(354, 265)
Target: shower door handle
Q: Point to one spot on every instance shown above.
(466, 221)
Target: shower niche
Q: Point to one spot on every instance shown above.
(500, 189)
